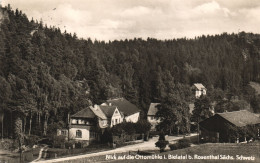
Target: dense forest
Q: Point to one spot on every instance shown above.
(46, 74)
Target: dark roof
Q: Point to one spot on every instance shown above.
(85, 113)
(124, 106)
(240, 118)
(108, 110)
(152, 109)
(98, 112)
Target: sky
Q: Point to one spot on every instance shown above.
(127, 19)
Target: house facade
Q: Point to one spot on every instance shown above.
(151, 115)
(83, 126)
(199, 90)
(88, 124)
(216, 128)
(130, 112)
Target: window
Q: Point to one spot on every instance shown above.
(78, 134)
(116, 121)
(151, 118)
(74, 121)
(63, 132)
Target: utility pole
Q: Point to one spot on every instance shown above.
(2, 121)
(198, 131)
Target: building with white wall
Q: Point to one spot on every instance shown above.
(199, 90)
(83, 124)
(151, 115)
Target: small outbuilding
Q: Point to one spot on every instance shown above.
(199, 90)
(217, 127)
(151, 115)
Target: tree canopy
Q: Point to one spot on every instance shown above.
(46, 74)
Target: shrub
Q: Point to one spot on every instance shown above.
(129, 128)
(28, 157)
(142, 126)
(52, 152)
(125, 127)
(184, 143)
(161, 136)
(174, 146)
(161, 144)
(78, 145)
(58, 141)
(31, 140)
(117, 129)
(69, 144)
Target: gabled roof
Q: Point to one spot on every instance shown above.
(108, 110)
(152, 109)
(85, 113)
(98, 112)
(199, 86)
(240, 118)
(124, 106)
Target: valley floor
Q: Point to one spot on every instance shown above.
(149, 145)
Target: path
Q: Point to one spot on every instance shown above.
(149, 145)
(43, 149)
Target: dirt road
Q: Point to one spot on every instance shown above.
(149, 145)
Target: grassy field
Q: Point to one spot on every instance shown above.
(227, 150)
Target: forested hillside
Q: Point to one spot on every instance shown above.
(46, 74)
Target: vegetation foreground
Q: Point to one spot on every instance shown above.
(227, 149)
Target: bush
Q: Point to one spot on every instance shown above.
(125, 127)
(142, 126)
(129, 128)
(161, 136)
(31, 140)
(70, 144)
(52, 152)
(28, 157)
(58, 141)
(174, 146)
(183, 143)
(8, 144)
(161, 144)
(79, 145)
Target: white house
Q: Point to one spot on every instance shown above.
(108, 115)
(130, 112)
(151, 115)
(83, 124)
(199, 90)
(82, 127)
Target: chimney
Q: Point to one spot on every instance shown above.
(96, 107)
(110, 104)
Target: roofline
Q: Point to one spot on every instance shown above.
(132, 113)
(219, 114)
(235, 111)
(80, 117)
